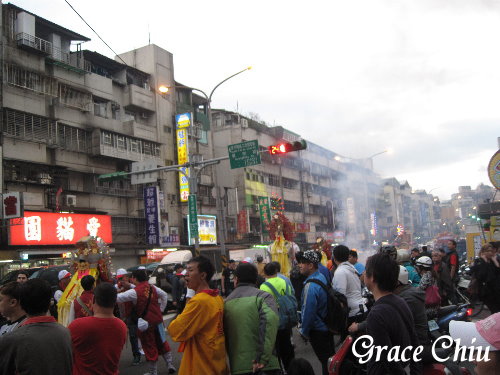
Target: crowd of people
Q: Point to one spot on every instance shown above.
(246, 326)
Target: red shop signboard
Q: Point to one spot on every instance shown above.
(47, 228)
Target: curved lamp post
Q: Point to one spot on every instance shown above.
(218, 202)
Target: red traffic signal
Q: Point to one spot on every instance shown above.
(284, 147)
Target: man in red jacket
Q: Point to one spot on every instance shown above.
(152, 334)
(82, 305)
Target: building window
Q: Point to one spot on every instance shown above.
(129, 116)
(134, 145)
(115, 111)
(120, 142)
(389, 219)
(100, 107)
(107, 138)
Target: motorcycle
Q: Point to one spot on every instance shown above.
(439, 320)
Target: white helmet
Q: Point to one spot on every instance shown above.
(424, 261)
(403, 275)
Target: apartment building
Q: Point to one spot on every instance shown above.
(322, 194)
(69, 115)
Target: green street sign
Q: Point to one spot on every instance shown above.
(244, 154)
(193, 215)
(113, 176)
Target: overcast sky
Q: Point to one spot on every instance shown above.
(357, 77)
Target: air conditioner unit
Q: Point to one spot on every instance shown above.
(244, 123)
(71, 200)
(144, 115)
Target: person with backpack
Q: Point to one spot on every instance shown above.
(315, 308)
(287, 309)
(346, 281)
(390, 321)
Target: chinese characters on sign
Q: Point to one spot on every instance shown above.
(183, 121)
(242, 222)
(46, 228)
(12, 207)
(193, 214)
(207, 230)
(265, 214)
(152, 215)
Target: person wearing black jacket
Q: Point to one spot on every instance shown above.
(390, 321)
(486, 271)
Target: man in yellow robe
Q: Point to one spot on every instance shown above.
(200, 326)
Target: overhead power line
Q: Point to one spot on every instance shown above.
(95, 32)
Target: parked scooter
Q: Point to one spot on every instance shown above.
(439, 320)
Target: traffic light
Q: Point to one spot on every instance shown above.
(284, 147)
(113, 176)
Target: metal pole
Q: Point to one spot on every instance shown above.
(218, 202)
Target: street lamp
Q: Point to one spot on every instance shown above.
(218, 202)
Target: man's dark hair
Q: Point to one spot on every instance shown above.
(231, 261)
(353, 253)
(278, 266)
(35, 296)
(140, 275)
(259, 259)
(177, 266)
(105, 295)
(442, 250)
(23, 272)
(453, 242)
(415, 250)
(270, 269)
(424, 248)
(87, 282)
(341, 253)
(204, 265)
(384, 270)
(11, 289)
(246, 273)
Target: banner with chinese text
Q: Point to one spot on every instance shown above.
(183, 121)
(265, 214)
(47, 228)
(152, 215)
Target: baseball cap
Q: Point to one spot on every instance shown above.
(183, 273)
(486, 332)
(63, 274)
(308, 256)
(248, 260)
(120, 272)
(141, 268)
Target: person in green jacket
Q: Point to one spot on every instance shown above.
(250, 324)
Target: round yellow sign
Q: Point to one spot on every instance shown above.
(494, 170)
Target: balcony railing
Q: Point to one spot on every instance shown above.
(34, 42)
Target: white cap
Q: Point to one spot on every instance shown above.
(63, 274)
(141, 268)
(403, 275)
(486, 332)
(183, 273)
(248, 260)
(121, 272)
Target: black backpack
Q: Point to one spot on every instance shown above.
(338, 309)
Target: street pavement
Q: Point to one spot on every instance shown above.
(302, 350)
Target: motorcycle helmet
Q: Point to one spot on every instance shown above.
(403, 256)
(403, 275)
(391, 250)
(424, 262)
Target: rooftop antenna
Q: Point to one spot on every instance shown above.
(149, 35)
